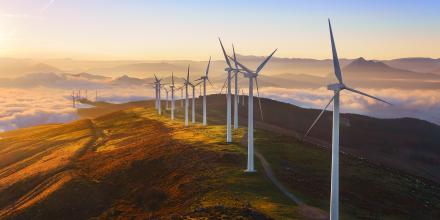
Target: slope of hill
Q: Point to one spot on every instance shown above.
(406, 144)
(131, 164)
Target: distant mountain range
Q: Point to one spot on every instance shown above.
(280, 72)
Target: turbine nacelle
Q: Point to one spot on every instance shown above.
(336, 87)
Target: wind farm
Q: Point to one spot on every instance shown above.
(269, 110)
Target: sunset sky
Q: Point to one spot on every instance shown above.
(134, 29)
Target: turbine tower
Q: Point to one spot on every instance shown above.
(172, 96)
(336, 88)
(236, 98)
(228, 96)
(251, 75)
(205, 78)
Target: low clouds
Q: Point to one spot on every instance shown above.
(421, 104)
(21, 108)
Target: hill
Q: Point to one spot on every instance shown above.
(131, 164)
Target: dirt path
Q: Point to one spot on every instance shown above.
(309, 212)
(269, 173)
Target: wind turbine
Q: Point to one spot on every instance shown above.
(336, 88)
(73, 99)
(172, 96)
(228, 69)
(186, 97)
(251, 75)
(205, 78)
(158, 92)
(193, 103)
(181, 97)
(166, 100)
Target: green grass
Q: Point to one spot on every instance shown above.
(367, 190)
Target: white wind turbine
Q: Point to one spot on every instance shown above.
(228, 69)
(158, 92)
(205, 78)
(186, 97)
(193, 102)
(251, 75)
(73, 99)
(166, 97)
(336, 88)
(172, 96)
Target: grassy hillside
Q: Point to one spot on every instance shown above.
(131, 164)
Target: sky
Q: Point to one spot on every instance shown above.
(171, 29)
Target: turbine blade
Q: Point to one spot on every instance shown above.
(241, 65)
(235, 57)
(155, 77)
(207, 68)
(259, 100)
(187, 76)
(336, 65)
(365, 94)
(319, 116)
(224, 53)
(264, 62)
(172, 78)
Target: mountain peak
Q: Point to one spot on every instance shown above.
(363, 64)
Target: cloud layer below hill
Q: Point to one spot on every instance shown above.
(421, 104)
(21, 108)
(41, 105)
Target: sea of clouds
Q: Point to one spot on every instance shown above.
(421, 104)
(21, 107)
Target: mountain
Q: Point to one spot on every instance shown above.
(10, 67)
(89, 76)
(127, 80)
(364, 70)
(42, 67)
(416, 64)
(53, 80)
